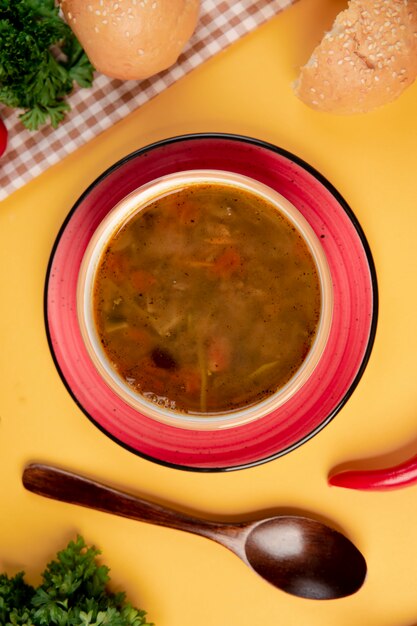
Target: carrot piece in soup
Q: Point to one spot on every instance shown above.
(142, 280)
(140, 337)
(228, 263)
(219, 354)
(191, 380)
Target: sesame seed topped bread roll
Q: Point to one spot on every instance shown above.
(366, 60)
(132, 39)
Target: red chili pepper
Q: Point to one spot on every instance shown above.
(384, 479)
(3, 137)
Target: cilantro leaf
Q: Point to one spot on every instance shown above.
(73, 592)
(40, 61)
(13, 592)
(77, 64)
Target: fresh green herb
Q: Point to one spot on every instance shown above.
(73, 592)
(40, 60)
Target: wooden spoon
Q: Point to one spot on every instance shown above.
(296, 554)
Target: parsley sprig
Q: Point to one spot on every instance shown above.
(40, 60)
(73, 592)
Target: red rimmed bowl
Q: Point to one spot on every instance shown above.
(354, 306)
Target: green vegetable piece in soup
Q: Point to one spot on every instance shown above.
(207, 300)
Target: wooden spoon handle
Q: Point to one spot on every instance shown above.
(65, 486)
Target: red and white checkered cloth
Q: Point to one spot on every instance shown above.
(94, 110)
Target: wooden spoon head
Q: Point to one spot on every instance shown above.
(305, 558)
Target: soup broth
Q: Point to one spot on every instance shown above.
(207, 300)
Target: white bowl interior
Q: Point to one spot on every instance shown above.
(122, 212)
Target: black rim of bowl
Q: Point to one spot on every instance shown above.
(311, 170)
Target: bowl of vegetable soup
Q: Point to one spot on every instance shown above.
(204, 299)
(178, 296)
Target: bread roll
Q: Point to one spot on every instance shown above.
(132, 39)
(366, 60)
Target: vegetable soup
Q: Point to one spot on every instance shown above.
(207, 300)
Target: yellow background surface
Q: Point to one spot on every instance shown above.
(180, 579)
